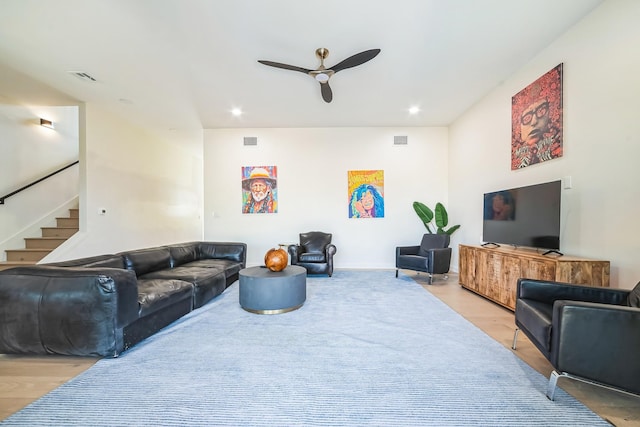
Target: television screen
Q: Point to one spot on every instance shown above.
(523, 216)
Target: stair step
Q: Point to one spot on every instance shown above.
(43, 242)
(4, 265)
(68, 222)
(59, 231)
(34, 255)
(37, 248)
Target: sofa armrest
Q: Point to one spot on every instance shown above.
(548, 292)
(294, 253)
(407, 250)
(330, 250)
(233, 251)
(439, 259)
(600, 342)
(66, 310)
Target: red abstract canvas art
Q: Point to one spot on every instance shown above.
(536, 121)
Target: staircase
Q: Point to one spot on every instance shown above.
(37, 248)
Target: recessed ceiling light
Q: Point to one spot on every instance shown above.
(237, 112)
(414, 110)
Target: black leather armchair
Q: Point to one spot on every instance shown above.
(314, 252)
(587, 333)
(433, 256)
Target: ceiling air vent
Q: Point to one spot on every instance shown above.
(400, 140)
(250, 140)
(82, 76)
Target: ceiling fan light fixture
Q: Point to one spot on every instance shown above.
(322, 77)
(322, 74)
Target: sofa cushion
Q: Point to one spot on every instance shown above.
(108, 261)
(115, 261)
(183, 253)
(143, 261)
(432, 241)
(208, 281)
(221, 250)
(155, 294)
(413, 262)
(230, 267)
(312, 257)
(314, 242)
(633, 299)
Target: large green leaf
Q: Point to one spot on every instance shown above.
(451, 230)
(424, 213)
(442, 219)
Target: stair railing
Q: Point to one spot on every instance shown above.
(13, 193)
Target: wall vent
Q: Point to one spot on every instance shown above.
(250, 140)
(400, 140)
(82, 76)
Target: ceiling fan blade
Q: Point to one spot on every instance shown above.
(327, 94)
(285, 66)
(355, 60)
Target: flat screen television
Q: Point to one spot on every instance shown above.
(524, 216)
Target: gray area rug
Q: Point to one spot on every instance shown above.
(366, 349)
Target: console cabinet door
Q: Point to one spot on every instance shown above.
(538, 269)
(467, 267)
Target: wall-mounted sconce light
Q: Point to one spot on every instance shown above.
(46, 123)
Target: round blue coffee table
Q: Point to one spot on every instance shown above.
(263, 291)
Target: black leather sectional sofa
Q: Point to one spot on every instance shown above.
(103, 305)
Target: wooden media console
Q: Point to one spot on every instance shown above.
(494, 272)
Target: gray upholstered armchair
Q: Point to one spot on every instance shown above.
(587, 333)
(433, 256)
(314, 252)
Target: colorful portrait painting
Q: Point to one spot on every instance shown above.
(536, 121)
(366, 193)
(259, 189)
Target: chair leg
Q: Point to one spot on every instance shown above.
(430, 279)
(551, 386)
(515, 337)
(555, 376)
(396, 273)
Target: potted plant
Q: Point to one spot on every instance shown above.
(440, 215)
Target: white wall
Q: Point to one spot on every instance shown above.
(312, 188)
(601, 142)
(150, 186)
(149, 181)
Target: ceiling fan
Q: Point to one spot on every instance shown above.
(322, 74)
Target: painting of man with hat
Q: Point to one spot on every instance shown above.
(259, 189)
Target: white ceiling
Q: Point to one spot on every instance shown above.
(187, 63)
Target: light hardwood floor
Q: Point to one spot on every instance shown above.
(23, 379)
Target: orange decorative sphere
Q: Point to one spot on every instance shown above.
(276, 259)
